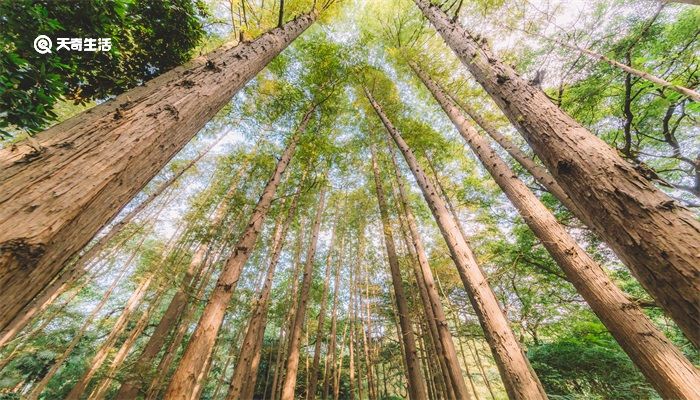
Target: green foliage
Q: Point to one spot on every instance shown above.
(148, 38)
(585, 362)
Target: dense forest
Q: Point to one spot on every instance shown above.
(350, 199)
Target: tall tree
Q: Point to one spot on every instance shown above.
(665, 367)
(201, 345)
(518, 377)
(416, 381)
(244, 374)
(138, 133)
(292, 362)
(655, 237)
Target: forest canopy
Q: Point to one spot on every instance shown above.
(351, 199)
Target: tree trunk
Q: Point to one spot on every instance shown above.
(519, 378)
(292, 363)
(286, 327)
(541, 175)
(39, 387)
(135, 379)
(446, 347)
(655, 237)
(671, 374)
(202, 342)
(54, 200)
(243, 373)
(116, 330)
(313, 373)
(416, 382)
(330, 372)
(101, 389)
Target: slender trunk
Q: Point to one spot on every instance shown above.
(692, 94)
(244, 371)
(330, 372)
(135, 379)
(39, 387)
(416, 382)
(466, 366)
(286, 327)
(519, 378)
(292, 363)
(138, 133)
(313, 373)
(655, 237)
(101, 389)
(541, 175)
(671, 374)
(426, 282)
(116, 330)
(202, 342)
(338, 365)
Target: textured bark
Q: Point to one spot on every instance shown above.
(135, 378)
(518, 377)
(655, 237)
(541, 175)
(54, 200)
(201, 344)
(671, 374)
(426, 282)
(245, 372)
(292, 363)
(416, 382)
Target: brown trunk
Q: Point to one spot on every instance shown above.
(313, 373)
(101, 390)
(39, 387)
(116, 330)
(426, 282)
(330, 372)
(244, 372)
(541, 175)
(519, 378)
(655, 237)
(292, 363)
(416, 382)
(202, 341)
(54, 200)
(671, 374)
(286, 327)
(135, 379)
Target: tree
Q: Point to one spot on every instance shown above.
(656, 238)
(130, 131)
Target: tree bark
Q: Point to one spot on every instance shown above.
(244, 375)
(518, 377)
(425, 276)
(541, 175)
(313, 373)
(54, 200)
(671, 374)
(655, 237)
(330, 372)
(292, 363)
(416, 382)
(202, 342)
(135, 379)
